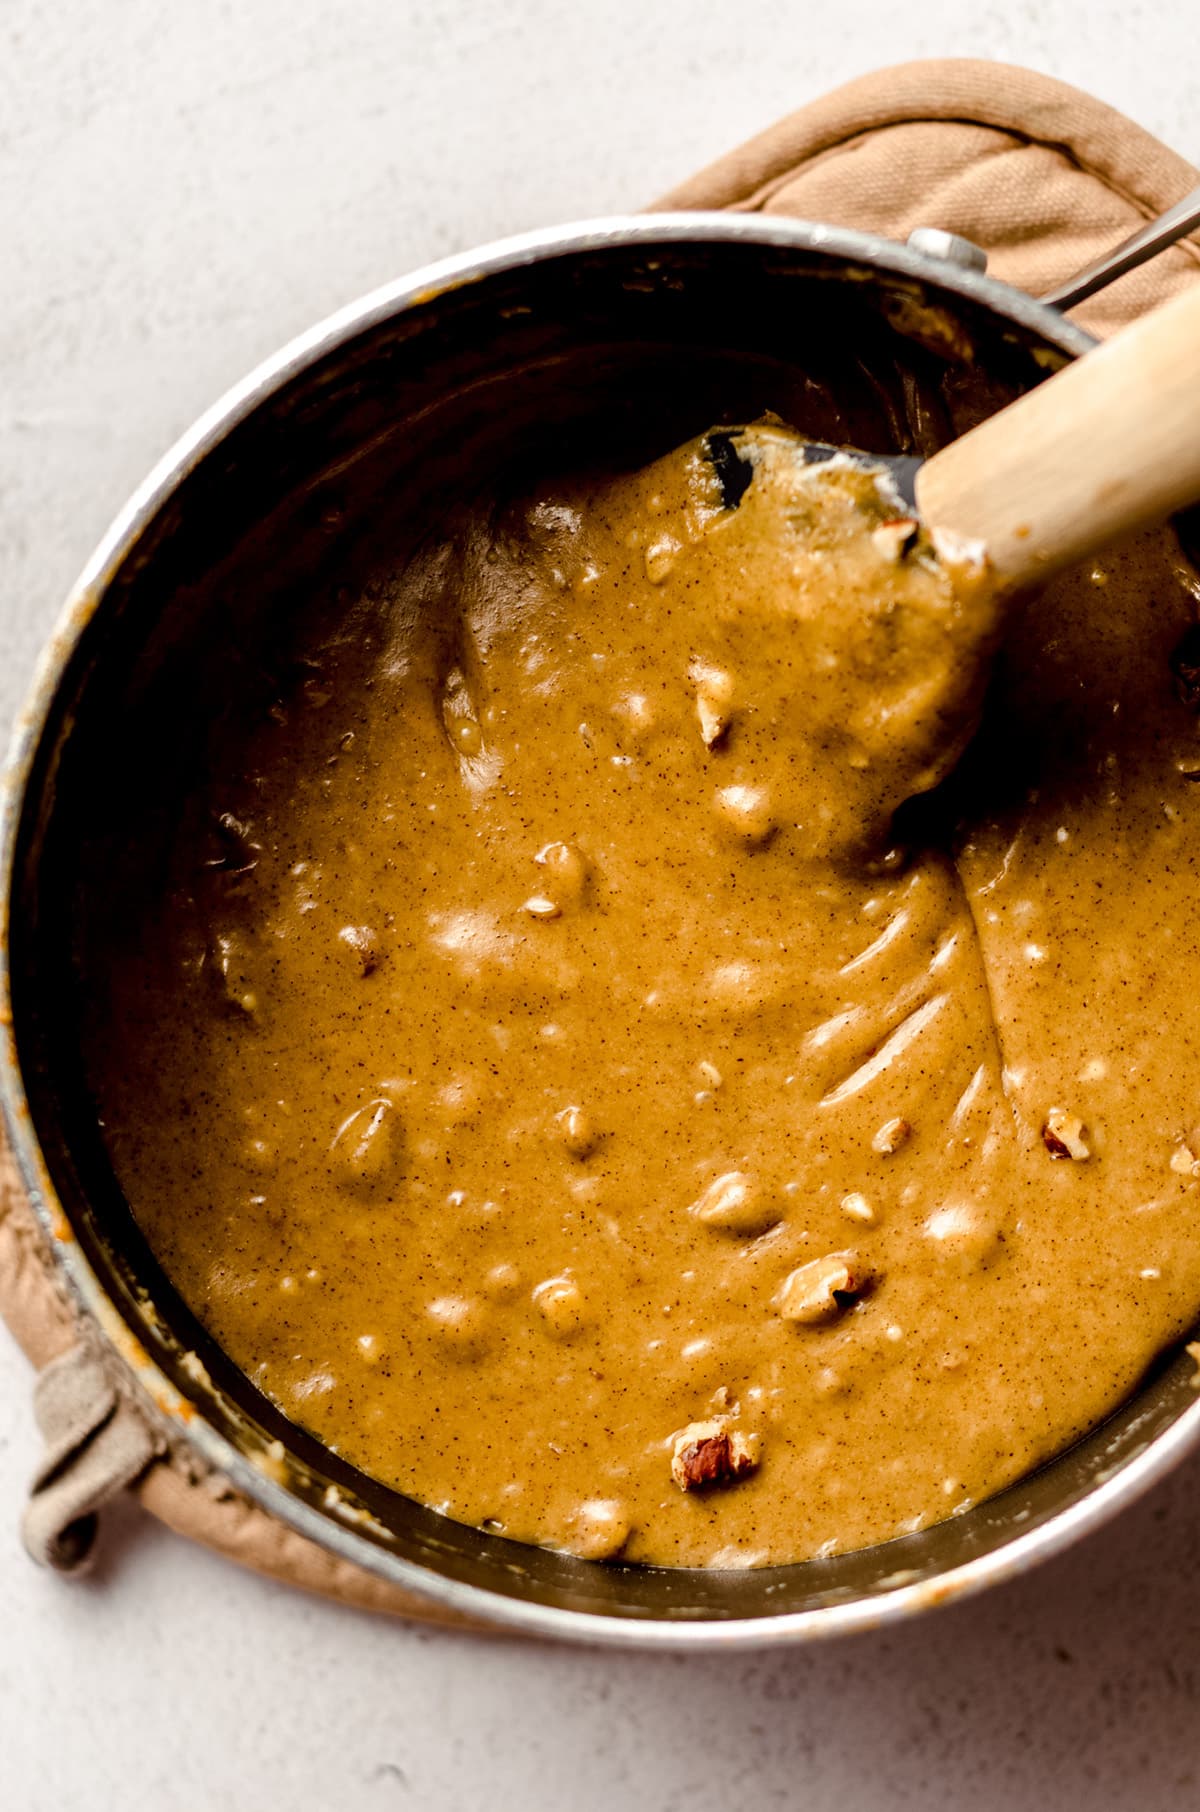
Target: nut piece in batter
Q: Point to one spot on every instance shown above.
(1063, 1136)
(598, 1530)
(712, 1453)
(822, 1288)
(737, 1204)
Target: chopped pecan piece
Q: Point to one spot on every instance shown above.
(711, 1453)
(1063, 1135)
(540, 906)
(361, 946)
(746, 812)
(890, 1137)
(737, 1204)
(562, 1306)
(598, 1530)
(567, 873)
(858, 1208)
(1185, 1161)
(963, 1235)
(366, 1147)
(822, 1288)
(714, 701)
(576, 1131)
(660, 557)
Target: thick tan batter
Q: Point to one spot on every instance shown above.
(544, 1046)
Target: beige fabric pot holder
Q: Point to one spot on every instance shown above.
(1045, 179)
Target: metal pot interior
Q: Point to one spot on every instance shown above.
(615, 351)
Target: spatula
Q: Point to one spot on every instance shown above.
(1104, 447)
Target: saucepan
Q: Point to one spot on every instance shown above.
(618, 338)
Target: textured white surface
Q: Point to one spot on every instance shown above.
(181, 187)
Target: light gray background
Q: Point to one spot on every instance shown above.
(182, 186)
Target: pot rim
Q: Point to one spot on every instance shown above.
(1102, 1501)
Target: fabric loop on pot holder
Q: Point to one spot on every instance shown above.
(97, 1443)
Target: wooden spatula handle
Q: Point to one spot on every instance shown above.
(1103, 447)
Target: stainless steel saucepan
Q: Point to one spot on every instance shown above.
(622, 335)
